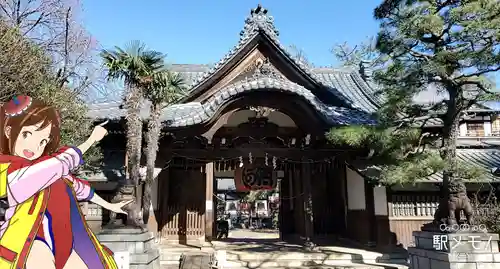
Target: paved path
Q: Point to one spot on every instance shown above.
(262, 249)
(255, 234)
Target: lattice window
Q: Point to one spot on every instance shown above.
(475, 128)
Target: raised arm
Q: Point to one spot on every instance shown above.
(84, 192)
(25, 179)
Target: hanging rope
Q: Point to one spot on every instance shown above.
(309, 161)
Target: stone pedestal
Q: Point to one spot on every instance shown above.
(144, 253)
(454, 251)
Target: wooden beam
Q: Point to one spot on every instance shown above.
(282, 153)
(268, 130)
(217, 125)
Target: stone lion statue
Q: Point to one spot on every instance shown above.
(451, 207)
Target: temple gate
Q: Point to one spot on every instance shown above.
(259, 106)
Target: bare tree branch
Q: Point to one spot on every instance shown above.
(54, 26)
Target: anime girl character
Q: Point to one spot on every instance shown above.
(43, 226)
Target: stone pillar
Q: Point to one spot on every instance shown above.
(209, 203)
(461, 250)
(308, 204)
(138, 242)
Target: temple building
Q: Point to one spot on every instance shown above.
(261, 115)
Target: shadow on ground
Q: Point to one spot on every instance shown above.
(261, 252)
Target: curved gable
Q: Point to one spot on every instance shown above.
(259, 33)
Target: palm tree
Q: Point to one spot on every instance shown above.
(132, 64)
(164, 88)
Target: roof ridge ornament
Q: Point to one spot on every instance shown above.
(264, 69)
(365, 69)
(259, 20)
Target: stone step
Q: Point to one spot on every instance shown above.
(335, 266)
(172, 253)
(307, 264)
(273, 259)
(236, 264)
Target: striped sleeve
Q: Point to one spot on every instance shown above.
(28, 178)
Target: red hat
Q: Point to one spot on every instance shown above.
(17, 105)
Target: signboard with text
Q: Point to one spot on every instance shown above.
(254, 178)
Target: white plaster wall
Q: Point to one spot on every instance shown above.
(356, 199)
(380, 201)
(487, 128)
(462, 129)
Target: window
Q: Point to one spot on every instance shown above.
(475, 128)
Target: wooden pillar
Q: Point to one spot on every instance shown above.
(342, 178)
(209, 204)
(298, 201)
(308, 203)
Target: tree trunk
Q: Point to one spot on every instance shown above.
(152, 140)
(453, 193)
(134, 143)
(134, 134)
(448, 153)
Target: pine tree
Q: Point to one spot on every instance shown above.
(445, 46)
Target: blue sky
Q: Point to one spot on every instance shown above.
(201, 31)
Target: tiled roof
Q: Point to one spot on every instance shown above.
(196, 113)
(346, 81)
(346, 85)
(352, 86)
(487, 159)
(357, 93)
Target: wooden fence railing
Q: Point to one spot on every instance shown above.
(182, 223)
(93, 215)
(413, 206)
(420, 206)
(407, 213)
